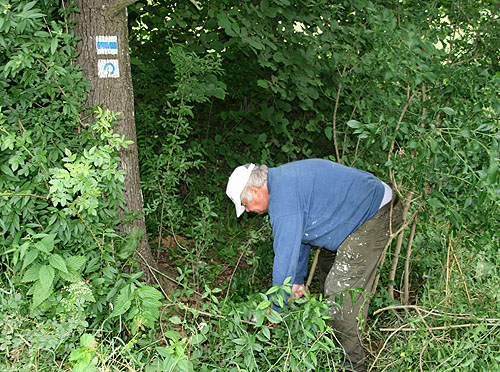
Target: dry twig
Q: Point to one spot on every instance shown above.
(440, 328)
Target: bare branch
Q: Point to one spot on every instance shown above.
(118, 6)
(441, 328)
(195, 4)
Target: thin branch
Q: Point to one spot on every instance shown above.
(335, 121)
(427, 325)
(420, 359)
(401, 116)
(151, 268)
(383, 347)
(346, 133)
(195, 3)
(436, 313)
(399, 244)
(339, 89)
(441, 328)
(460, 269)
(406, 293)
(89, 230)
(384, 252)
(232, 275)
(448, 266)
(313, 269)
(24, 194)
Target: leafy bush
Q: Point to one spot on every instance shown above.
(60, 192)
(31, 339)
(227, 340)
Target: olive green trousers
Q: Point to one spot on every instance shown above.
(347, 278)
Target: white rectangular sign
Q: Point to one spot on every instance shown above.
(106, 44)
(108, 68)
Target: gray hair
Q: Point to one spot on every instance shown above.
(258, 178)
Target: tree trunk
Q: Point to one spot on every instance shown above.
(105, 61)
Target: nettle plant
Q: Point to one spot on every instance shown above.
(60, 191)
(82, 199)
(72, 200)
(65, 254)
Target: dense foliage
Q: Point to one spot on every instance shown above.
(407, 90)
(60, 188)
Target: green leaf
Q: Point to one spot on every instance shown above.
(266, 332)
(264, 305)
(42, 34)
(448, 111)
(219, 93)
(175, 320)
(150, 304)
(57, 262)
(493, 171)
(254, 42)
(278, 57)
(71, 276)
(122, 303)
(149, 292)
(183, 365)
(272, 290)
(309, 334)
(46, 244)
(198, 339)
(29, 258)
(329, 132)
(433, 202)
(40, 293)
(46, 276)
(75, 262)
(262, 138)
(274, 317)
(226, 24)
(354, 124)
(239, 341)
(31, 274)
(53, 45)
(173, 335)
(88, 341)
(7, 171)
(263, 83)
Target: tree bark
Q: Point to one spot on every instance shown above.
(107, 67)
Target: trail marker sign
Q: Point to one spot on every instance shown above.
(106, 44)
(108, 68)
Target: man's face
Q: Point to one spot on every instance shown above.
(260, 200)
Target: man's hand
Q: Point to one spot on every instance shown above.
(298, 290)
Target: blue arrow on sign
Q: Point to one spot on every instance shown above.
(109, 68)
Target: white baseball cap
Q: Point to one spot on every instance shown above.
(237, 182)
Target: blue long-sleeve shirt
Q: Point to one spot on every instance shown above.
(316, 202)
